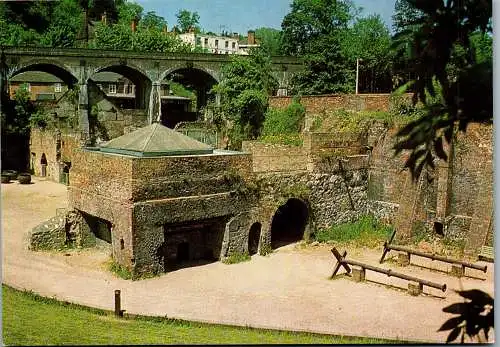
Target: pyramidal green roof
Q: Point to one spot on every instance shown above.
(155, 140)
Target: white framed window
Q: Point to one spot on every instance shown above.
(216, 43)
(57, 87)
(234, 45)
(112, 89)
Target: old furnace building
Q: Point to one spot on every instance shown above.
(161, 198)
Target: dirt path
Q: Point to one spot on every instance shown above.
(287, 290)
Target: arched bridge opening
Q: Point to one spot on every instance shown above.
(45, 84)
(127, 86)
(43, 81)
(185, 92)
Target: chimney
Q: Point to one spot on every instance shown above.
(165, 29)
(236, 36)
(191, 30)
(251, 37)
(133, 25)
(103, 18)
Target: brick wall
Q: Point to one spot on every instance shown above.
(45, 142)
(459, 194)
(139, 195)
(270, 157)
(316, 104)
(183, 176)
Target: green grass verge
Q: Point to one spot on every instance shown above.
(236, 258)
(119, 270)
(29, 319)
(366, 231)
(289, 139)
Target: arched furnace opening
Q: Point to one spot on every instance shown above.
(289, 223)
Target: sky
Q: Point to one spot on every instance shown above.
(243, 15)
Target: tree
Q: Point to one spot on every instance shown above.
(370, 41)
(448, 100)
(244, 95)
(405, 17)
(269, 40)
(66, 22)
(129, 11)
(314, 30)
(146, 39)
(152, 20)
(187, 19)
(51, 23)
(18, 112)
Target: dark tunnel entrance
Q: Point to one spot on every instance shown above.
(191, 243)
(289, 223)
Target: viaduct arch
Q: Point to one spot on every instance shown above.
(147, 70)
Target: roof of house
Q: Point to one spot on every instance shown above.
(107, 76)
(155, 140)
(36, 76)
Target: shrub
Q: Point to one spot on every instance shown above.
(237, 257)
(119, 270)
(287, 121)
(283, 139)
(265, 249)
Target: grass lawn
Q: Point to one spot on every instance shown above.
(29, 319)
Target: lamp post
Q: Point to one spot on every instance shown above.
(357, 74)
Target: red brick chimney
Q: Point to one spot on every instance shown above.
(133, 25)
(251, 37)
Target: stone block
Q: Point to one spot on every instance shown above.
(403, 259)
(457, 270)
(415, 288)
(358, 274)
(50, 234)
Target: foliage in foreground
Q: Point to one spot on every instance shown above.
(475, 315)
(366, 230)
(443, 54)
(29, 319)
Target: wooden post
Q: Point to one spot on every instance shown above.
(118, 311)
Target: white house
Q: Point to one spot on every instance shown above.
(220, 44)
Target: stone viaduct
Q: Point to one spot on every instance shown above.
(146, 70)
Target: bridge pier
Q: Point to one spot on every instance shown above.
(83, 109)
